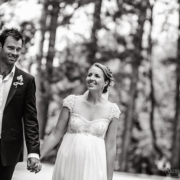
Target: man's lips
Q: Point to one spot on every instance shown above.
(12, 58)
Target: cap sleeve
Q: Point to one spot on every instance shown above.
(69, 102)
(115, 112)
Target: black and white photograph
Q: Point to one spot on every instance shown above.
(89, 89)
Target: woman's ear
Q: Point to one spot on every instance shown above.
(106, 83)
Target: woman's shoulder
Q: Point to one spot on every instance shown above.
(115, 105)
(79, 96)
(69, 97)
(69, 102)
(108, 103)
(115, 111)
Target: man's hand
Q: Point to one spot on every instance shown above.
(33, 165)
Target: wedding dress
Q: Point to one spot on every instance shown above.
(82, 154)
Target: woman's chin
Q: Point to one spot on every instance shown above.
(90, 88)
(93, 90)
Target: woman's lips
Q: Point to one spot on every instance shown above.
(93, 83)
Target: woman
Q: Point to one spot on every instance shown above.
(90, 122)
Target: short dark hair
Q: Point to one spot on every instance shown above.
(10, 32)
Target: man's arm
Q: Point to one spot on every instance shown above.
(31, 127)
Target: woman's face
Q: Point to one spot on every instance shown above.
(95, 79)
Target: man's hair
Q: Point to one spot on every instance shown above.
(14, 33)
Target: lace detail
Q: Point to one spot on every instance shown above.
(78, 124)
(69, 102)
(115, 112)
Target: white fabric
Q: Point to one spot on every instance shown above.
(33, 155)
(115, 112)
(82, 154)
(5, 85)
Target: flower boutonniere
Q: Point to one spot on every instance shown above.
(19, 81)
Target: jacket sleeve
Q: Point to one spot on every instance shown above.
(31, 125)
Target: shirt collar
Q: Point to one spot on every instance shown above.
(10, 74)
(13, 71)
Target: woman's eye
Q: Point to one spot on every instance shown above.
(97, 75)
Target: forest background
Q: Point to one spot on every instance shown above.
(138, 39)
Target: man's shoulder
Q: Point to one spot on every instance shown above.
(25, 74)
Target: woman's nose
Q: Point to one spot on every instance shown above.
(92, 77)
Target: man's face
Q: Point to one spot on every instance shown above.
(11, 50)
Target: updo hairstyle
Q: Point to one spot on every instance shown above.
(108, 76)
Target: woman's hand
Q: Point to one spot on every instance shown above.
(38, 168)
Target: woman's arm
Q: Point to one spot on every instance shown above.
(57, 132)
(110, 143)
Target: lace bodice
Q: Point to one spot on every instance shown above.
(79, 124)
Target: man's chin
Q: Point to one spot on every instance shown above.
(11, 62)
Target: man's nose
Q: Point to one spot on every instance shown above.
(15, 52)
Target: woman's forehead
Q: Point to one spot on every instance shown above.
(95, 69)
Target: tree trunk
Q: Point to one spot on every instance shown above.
(52, 30)
(41, 91)
(175, 159)
(137, 40)
(95, 28)
(45, 73)
(3, 1)
(152, 98)
(129, 120)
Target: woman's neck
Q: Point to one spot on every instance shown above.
(94, 97)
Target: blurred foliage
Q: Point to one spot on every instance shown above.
(114, 37)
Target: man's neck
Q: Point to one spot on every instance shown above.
(5, 70)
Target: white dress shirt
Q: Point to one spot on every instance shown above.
(5, 85)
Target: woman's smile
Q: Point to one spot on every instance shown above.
(92, 83)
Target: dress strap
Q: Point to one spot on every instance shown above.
(69, 102)
(115, 112)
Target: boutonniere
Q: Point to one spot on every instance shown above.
(19, 81)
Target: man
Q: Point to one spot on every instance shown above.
(17, 108)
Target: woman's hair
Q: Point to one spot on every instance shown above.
(108, 76)
(10, 32)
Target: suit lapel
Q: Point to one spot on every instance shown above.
(13, 89)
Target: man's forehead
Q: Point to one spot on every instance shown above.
(12, 41)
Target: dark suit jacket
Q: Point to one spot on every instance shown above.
(20, 106)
